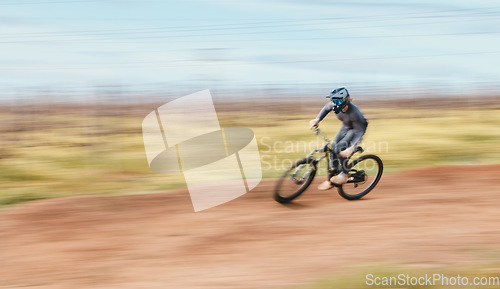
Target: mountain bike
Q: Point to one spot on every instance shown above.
(364, 173)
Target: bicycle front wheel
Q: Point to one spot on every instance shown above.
(364, 175)
(295, 180)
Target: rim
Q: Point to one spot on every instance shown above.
(294, 180)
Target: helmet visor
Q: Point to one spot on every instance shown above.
(337, 101)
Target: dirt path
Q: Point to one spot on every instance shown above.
(435, 215)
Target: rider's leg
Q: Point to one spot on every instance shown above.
(341, 145)
(334, 161)
(334, 170)
(343, 163)
(337, 163)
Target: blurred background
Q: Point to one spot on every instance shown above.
(77, 77)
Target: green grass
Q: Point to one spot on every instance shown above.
(20, 198)
(485, 264)
(398, 276)
(448, 138)
(64, 154)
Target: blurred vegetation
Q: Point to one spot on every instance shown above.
(357, 278)
(485, 265)
(56, 151)
(403, 138)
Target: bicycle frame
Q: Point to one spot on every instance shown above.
(324, 148)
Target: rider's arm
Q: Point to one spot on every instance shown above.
(326, 110)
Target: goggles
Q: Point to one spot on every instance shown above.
(337, 101)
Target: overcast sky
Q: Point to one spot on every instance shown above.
(75, 44)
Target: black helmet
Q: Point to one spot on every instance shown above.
(340, 98)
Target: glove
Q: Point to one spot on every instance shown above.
(347, 152)
(313, 123)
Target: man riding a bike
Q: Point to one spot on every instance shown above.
(344, 144)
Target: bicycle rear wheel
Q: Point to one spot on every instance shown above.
(365, 173)
(295, 180)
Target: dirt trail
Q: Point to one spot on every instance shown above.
(428, 216)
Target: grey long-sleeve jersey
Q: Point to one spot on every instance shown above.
(352, 119)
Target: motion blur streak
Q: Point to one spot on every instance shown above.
(80, 207)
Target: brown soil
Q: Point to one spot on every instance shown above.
(423, 217)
